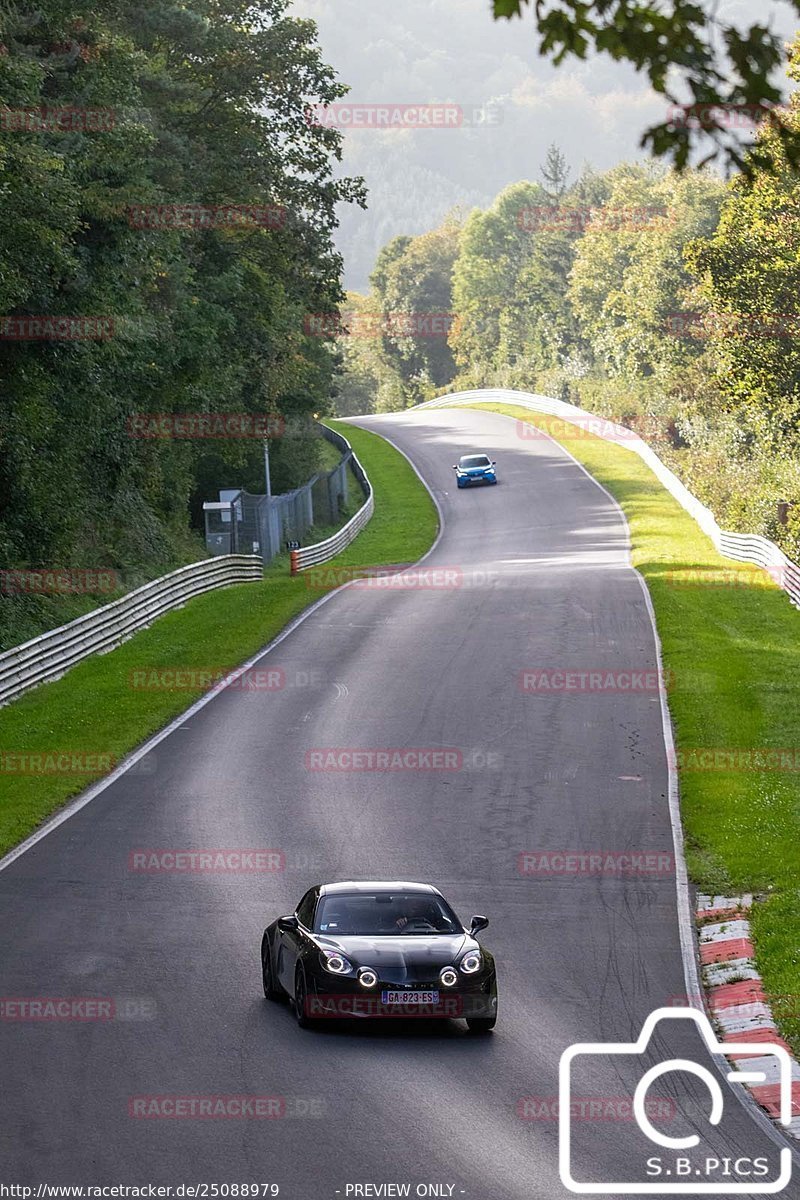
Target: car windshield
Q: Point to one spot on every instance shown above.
(474, 460)
(385, 913)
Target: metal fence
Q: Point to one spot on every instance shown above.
(310, 556)
(257, 523)
(743, 547)
(52, 654)
(265, 524)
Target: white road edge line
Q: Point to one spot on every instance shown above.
(95, 789)
(681, 876)
(691, 974)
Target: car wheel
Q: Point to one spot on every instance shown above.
(481, 1024)
(270, 990)
(300, 998)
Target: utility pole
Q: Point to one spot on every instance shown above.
(266, 469)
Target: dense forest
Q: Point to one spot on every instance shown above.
(167, 249)
(666, 300)
(162, 185)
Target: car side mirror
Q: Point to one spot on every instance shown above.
(477, 924)
(287, 923)
(494, 464)
(455, 468)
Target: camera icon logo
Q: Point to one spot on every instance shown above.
(780, 1071)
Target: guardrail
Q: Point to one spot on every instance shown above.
(50, 655)
(743, 547)
(320, 552)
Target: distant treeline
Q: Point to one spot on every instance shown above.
(669, 302)
(167, 216)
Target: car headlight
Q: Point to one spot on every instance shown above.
(449, 977)
(367, 977)
(471, 962)
(336, 963)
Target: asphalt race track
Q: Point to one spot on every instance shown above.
(536, 576)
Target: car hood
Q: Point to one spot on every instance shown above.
(475, 470)
(392, 954)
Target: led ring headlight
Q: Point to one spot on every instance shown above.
(337, 964)
(367, 977)
(449, 977)
(471, 962)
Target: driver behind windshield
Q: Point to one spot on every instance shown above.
(384, 913)
(418, 912)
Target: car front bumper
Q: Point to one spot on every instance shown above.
(346, 999)
(469, 480)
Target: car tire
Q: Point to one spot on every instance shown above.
(271, 992)
(299, 1002)
(481, 1024)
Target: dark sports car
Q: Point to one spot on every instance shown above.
(379, 950)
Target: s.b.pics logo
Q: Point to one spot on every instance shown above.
(699, 1153)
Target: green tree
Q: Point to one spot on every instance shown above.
(210, 104)
(510, 286)
(411, 301)
(555, 172)
(630, 278)
(748, 281)
(689, 55)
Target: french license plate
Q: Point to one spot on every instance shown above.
(410, 997)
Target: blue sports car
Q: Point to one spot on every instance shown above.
(475, 468)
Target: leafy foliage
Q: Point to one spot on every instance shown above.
(689, 55)
(209, 102)
(664, 300)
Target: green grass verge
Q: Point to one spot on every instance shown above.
(731, 643)
(329, 455)
(96, 709)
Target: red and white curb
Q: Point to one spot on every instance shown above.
(735, 994)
